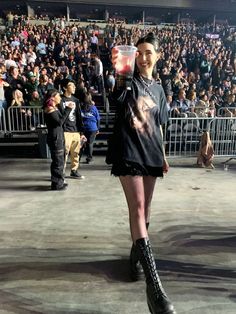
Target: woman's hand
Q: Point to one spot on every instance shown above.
(165, 166)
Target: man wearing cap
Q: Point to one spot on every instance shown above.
(31, 84)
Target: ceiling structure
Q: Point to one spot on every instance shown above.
(162, 9)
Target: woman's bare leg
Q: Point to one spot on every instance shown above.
(149, 185)
(133, 187)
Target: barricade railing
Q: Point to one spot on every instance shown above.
(182, 136)
(3, 127)
(25, 119)
(222, 111)
(223, 136)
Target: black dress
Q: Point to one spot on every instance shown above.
(136, 145)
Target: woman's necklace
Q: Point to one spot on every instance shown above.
(146, 89)
(145, 82)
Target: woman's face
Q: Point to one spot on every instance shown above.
(146, 58)
(57, 99)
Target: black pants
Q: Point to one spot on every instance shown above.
(98, 83)
(94, 48)
(88, 150)
(57, 165)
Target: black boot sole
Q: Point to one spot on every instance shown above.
(161, 312)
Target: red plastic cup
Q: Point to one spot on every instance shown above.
(125, 66)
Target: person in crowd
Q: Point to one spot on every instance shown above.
(94, 43)
(91, 120)
(36, 103)
(212, 107)
(202, 107)
(180, 106)
(21, 117)
(219, 94)
(110, 81)
(178, 83)
(205, 152)
(138, 158)
(10, 62)
(81, 89)
(15, 80)
(10, 18)
(31, 85)
(105, 55)
(85, 59)
(41, 49)
(169, 99)
(98, 74)
(73, 127)
(44, 85)
(55, 137)
(35, 100)
(63, 68)
(166, 78)
(205, 66)
(217, 73)
(31, 56)
(192, 98)
(3, 85)
(230, 101)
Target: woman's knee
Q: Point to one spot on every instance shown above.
(137, 212)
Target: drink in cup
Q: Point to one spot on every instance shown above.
(125, 66)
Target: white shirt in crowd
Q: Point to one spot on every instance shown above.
(94, 40)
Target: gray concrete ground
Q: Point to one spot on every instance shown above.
(67, 252)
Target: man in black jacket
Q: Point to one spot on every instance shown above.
(73, 127)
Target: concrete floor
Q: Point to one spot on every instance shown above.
(67, 252)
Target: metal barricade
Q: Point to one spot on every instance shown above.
(182, 136)
(222, 112)
(223, 136)
(3, 128)
(25, 119)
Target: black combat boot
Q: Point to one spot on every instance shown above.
(157, 300)
(136, 269)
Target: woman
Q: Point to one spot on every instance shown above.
(138, 158)
(206, 152)
(21, 118)
(55, 138)
(91, 120)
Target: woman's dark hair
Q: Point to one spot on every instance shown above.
(48, 98)
(151, 39)
(87, 101)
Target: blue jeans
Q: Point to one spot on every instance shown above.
(3, 105)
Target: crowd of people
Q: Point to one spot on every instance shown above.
(197, 73)
(196, 68)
